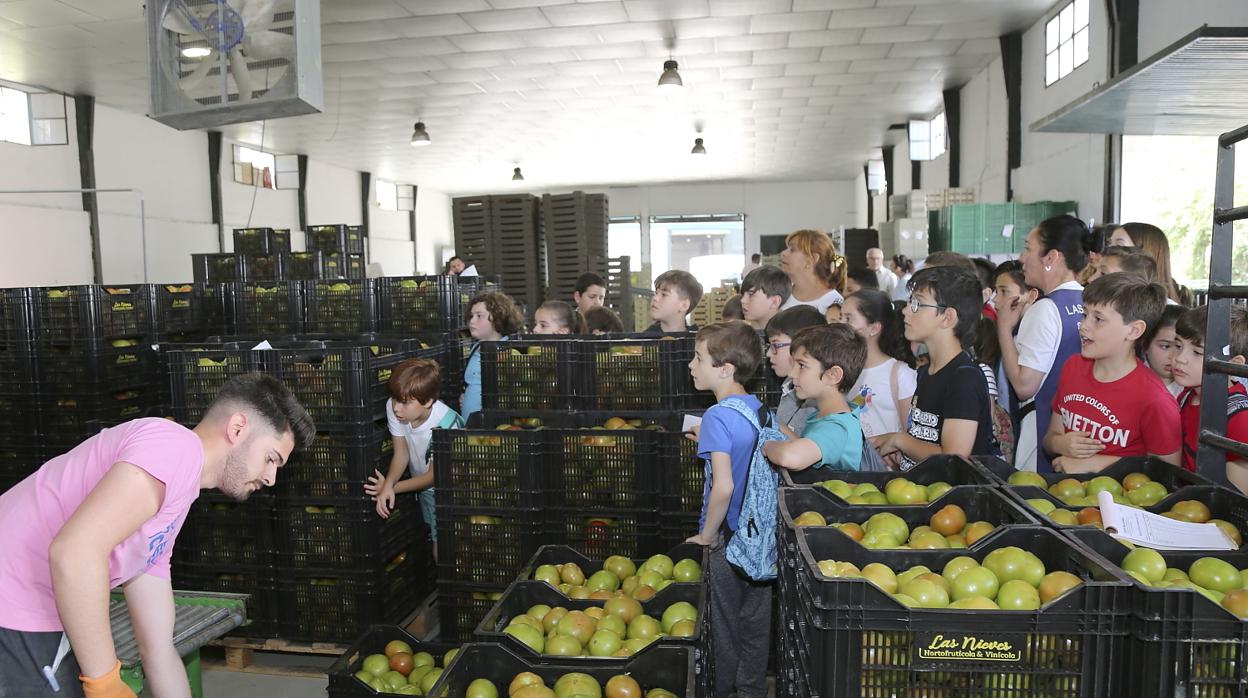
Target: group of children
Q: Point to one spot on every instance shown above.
(906, 379)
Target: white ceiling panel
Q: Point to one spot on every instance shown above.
(781, 89)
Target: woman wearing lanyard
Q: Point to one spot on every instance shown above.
(1054, 253)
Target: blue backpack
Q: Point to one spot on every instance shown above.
(752, 548)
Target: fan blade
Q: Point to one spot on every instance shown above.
(257, 15)
(197, 76)
(176, 20)
(268, 45)
(242, 76)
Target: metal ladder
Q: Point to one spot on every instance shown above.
(1210, 460)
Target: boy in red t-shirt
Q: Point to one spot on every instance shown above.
(1188, 358)
(1110, 403)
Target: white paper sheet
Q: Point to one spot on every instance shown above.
(1153, 531)
(470, 271)
(262, 346)
(691, 421)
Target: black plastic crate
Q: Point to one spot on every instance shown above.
(305, 266)
(341, 384)
(341, 305)
(17, 315)
(19, 417)
(341, 532)
(218, 268)
(337, 605)
(268, 267)
(670, 668)
(221, 531)
(19, 368)
(858, 640)
(19, 461)
(1172, 477)
(1223, 504)
(179, 309)
(560, 554)
(486, 546)
(428, 303)
(487, 467)
(954, 470)
(628, 374)
(84, 369)
(682, 472)
(337, 465)
(678, 384)
(274, 307)
(1182, 643)
(344, 266)
(72, 314)
(217, 315)
(261, 241)
(529, 374)
(675, 529)
(462, 606)
(342, 681)
(521, 596)
(197, 372)
(335, 238)
(978, 503)
(602, 532)
(66, 420)
(614, 468)
(259, 583)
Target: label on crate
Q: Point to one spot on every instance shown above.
(122, 307)
(931, 649)
(180, 303)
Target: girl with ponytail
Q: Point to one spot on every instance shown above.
(888, 379)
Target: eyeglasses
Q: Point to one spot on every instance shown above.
(777, 346)
(915, 305)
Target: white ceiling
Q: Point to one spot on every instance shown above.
(781, 89)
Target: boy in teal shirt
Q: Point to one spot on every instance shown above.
(827, 360)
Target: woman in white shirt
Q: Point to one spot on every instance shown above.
(886, 385)
(903, 267)
(816, 269)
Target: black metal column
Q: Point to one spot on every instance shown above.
(866, 176)
(953, 121)
(215, 143)
(411, 228)
(84, 128)
(303, 191)
(1012, 66)
(366, 180)
(916, 175)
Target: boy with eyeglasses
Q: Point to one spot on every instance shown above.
(791, 412)
(952, 409)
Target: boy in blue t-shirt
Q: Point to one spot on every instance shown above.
(724, 354)
(827, 360)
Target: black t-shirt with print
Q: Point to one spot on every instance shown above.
(958, 390)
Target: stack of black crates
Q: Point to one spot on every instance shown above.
(575, 228)
(580, 443)
(320, 563)
(264, 255)
(342, 249)
(502, 235)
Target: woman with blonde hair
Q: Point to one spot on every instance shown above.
(816, 269)
(1153, 241)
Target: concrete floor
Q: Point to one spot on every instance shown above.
(220, 683)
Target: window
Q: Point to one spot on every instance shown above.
(711, 247)
(259, 168)
(624, 239)
(1066, 38)
(32, 118)
(927, 137)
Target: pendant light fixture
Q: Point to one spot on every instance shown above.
(670, 79)
(516, 176)
(698, 148)
(420, 137)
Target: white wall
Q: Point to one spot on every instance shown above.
(770, 208)
(984, 133)
(46, 237)
(901, 167)
(434, 229)
(935, 173)
(1162, 22)
(333, 195)
(1059, 166)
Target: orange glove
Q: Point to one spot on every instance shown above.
(107, 685)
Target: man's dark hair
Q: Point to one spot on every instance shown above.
(987, 272)
(834, 345)
(865, 278)
(271, 400)
(756, 258)
(589, 278)
(790, 321)
(770, 279)
(954, 287)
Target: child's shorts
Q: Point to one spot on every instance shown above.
(426, 512)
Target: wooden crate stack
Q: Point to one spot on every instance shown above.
(502, 235)
(711, 308)
(575, 228)
(628, 292)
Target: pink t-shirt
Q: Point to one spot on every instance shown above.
(34, 510)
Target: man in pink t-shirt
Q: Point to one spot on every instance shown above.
(105, 515)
